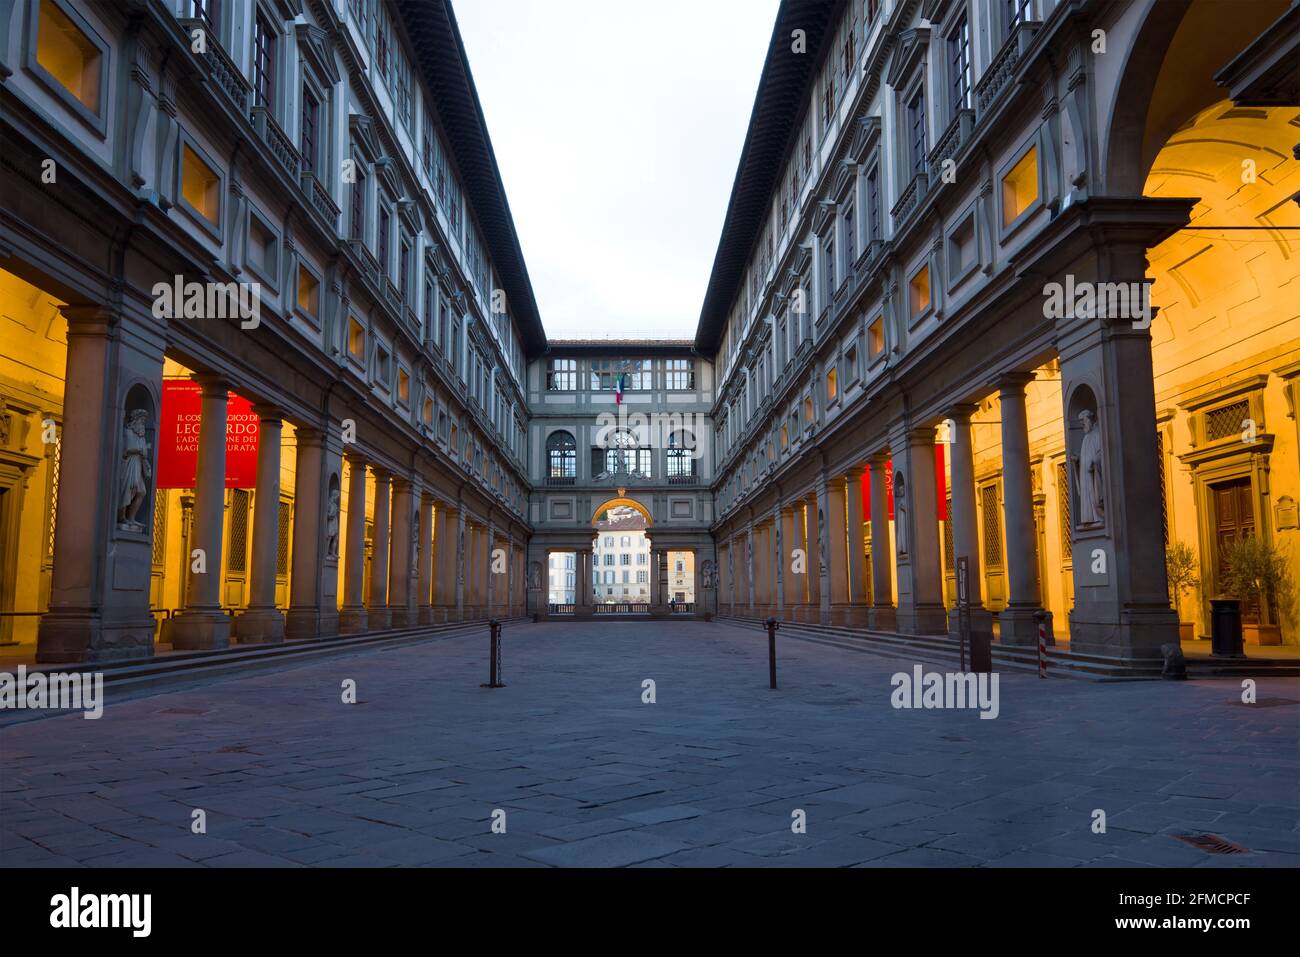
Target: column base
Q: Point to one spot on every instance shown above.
(353, 621)
(311, 623)
(259, 626)
(378, 619)
(1137, 635)
(981, 619)
(1018, 628)
(923, 620)
(403, 617)
(882, 618)
(425, 615)
(660, 611)
(65, 637)
(584, 611)
(198, 631)
(850, 615)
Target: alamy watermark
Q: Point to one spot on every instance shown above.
(179, 299)
(1098, 300)
(922, 689)
(75, 691)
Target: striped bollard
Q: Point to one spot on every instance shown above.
(1042, 643)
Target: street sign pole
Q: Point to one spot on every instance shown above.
(963, 605)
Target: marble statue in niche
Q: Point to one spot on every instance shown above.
(137, 472)
(1090, 474)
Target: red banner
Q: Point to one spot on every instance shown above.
(940, 484)
(178, 437)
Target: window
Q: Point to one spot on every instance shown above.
(404, 268)
(621, 456)
(561, 375)
(828, 266)
(428, 412)
(356, 340)
(383, 367)
(962, 248)
(403, 386)
(308, 292)
(358, 214)
(625, 559)
(381, 241)
(1020, 187)
(959, 64)
(680, 374)
(430, 332)
(873, 204)
(849, 239)
(832, 385)
(68, 55)
(261, 254)
(916, 131)
(200, 186)
(681, 458)
(1015, 12)
(919, 291)
(561, 456)
(310, 120)
(263, 62)
(807, 409)
(209, 11)
(848, 55)
(876, 338)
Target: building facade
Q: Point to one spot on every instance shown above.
(266, 327)
(1010, 284)
(619, 426)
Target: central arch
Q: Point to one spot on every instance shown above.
(620, 501)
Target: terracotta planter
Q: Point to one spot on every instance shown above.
(1186, 631)
(1262, 634)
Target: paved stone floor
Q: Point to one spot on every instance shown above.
(708, 775)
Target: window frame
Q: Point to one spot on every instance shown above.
(95, 120)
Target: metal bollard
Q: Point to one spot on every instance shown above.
(1225, 628)
(1041, 618)
(494, 656)
(772, 626)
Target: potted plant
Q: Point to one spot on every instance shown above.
(1258, 574)
(1181, 572)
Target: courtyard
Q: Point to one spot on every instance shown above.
(579, 762)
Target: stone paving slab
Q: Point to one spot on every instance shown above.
(709, 776)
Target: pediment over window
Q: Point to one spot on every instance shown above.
(865, 138)
(313, 44)
(908, 55)
(365, 137)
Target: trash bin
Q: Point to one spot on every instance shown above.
(1225, 628)
(981, 652)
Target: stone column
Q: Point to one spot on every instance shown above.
(1016, 622)
(920, 606)
(401, 607)
(379, 617)
(823, 551)
(883, 615)
(857, 610)
(444, 562)
(424, 537)
(353, 618)
(837, 539)
(662, 567)
(460, 564)
(99, 594)
(965, 529)
(583, 606)
(203, 625)
(790, 581)
(778, 559)
(313, 590)
(263, 622)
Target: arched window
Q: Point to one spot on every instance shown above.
(621, 455)
(561, 456)
(681, 458)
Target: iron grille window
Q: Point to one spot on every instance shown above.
(1160, 470)
(282, 539)
(263, 62)
(310, 118)
(959, 63)
(1063, 509)
(992, 527)
(562, 455)
(681, 460)
(238, 561)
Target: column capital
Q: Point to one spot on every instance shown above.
(879, 458)
(962, 411)
(382, 475)
(1013, 383)
(921, 435)
(855, 472)
(90, 317)
(268, 413)
(211, 383)
(306, 435)
(355, 459)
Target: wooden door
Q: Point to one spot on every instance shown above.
(1234, 518)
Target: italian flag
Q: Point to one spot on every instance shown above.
(618, 389)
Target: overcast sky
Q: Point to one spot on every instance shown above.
(617, 126)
